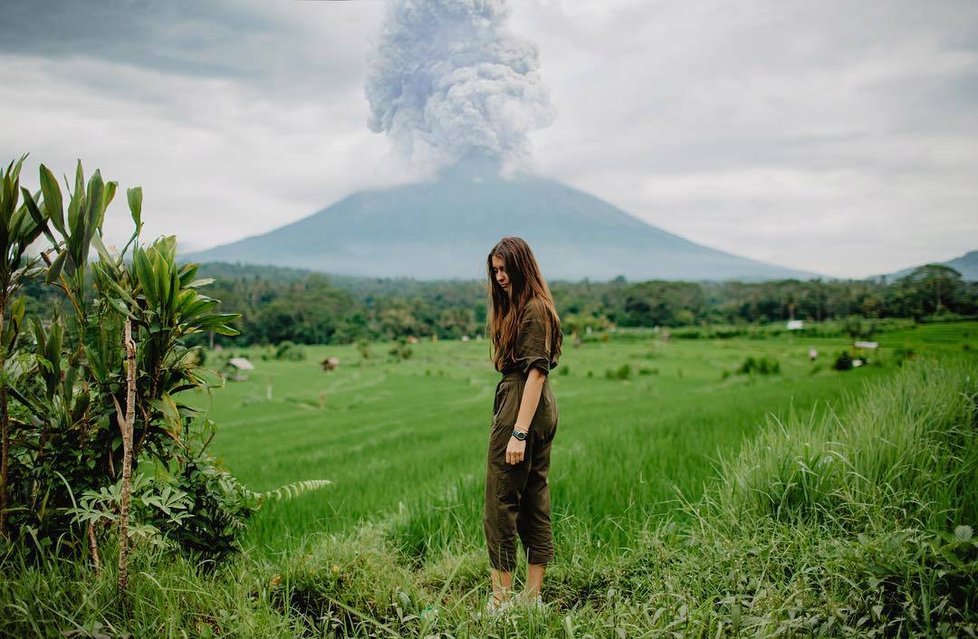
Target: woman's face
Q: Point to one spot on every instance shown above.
(499, 272)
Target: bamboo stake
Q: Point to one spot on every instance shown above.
(125, 425)
(93, 546)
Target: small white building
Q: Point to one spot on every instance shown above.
(237, 367)
(795, 325)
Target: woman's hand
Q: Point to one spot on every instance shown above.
(515, 450)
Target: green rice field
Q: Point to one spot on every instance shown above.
(404, 440)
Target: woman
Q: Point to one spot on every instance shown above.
(525, 341)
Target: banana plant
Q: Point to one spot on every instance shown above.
(20, 225)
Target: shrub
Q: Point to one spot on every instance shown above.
(903, 355)
(134, 311)
(759, 365)
(289, 351)
(363, 347)
(401, 350)
(622, 372)
(843, 362)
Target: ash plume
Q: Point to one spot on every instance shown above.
(448, 81)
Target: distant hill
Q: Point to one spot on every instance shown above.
(967, 265)
(444, 228)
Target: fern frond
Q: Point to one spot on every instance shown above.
(289, 491)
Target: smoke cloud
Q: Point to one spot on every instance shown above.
(448, 81)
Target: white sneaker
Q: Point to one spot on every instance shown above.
(494, 607)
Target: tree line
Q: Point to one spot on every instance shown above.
(278, 304)
(311, 308)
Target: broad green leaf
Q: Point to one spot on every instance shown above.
(28, 402)
(12, 328)
(174, 289)
(103, 252)
(125, 295)
(52, 199)
(54, 271)
(15, 224)
(81, 405)
(17, 309)
(184, 299)
(120, 306)
(209, 377)
(200, 305)
(77, 240)
(187, 273)
(107, 197)
(77, 198)
(171, 413)
(218, 323)
(39, 335)
(39, 217)
(8, 198)
(93, 210)
(204, 281)
(14, 167)
(145, 277)
(79, 180)
(163, 281)
(135, 197)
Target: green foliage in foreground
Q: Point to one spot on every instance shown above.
(855, 524)
(79, 411)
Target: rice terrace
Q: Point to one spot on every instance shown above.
(485, 319)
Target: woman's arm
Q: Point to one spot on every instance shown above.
(532, 390)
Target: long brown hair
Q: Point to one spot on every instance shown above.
(526, 284)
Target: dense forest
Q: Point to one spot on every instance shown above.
(278, 304)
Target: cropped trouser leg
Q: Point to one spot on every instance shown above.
(518, 499)
(533, 519)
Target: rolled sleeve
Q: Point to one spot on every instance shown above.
(531, 345)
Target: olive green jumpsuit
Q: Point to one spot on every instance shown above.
(517, 495)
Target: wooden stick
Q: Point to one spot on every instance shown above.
(93, 546)
(125, 425)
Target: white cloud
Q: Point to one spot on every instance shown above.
(831, 137)
(216, 159)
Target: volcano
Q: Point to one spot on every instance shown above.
(444, 228)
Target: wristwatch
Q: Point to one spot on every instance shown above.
(520, 435)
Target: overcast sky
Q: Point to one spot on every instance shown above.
(835, 137)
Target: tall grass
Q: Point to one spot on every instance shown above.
(906, 455)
